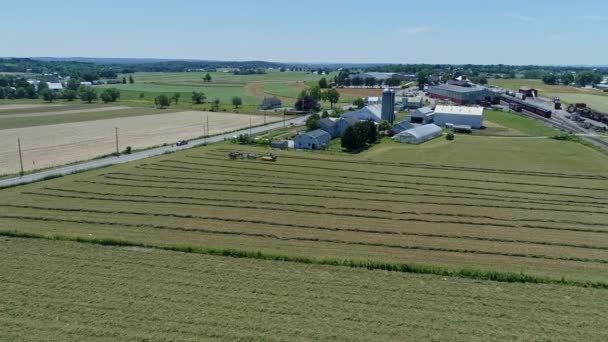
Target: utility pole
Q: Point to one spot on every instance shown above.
(20, 156)
(207, 126)
(264, 117)
(250, 125)
(117, 151)
(284, 123)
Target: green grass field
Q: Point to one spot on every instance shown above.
(138, 294)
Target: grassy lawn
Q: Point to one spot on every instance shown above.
(136, 294)
(517, 124)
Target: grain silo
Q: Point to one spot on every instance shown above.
(388, 105)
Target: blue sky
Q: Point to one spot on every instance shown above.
(429, 31)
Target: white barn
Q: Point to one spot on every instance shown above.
(419, 134)
(458, 115)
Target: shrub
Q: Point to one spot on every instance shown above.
(127, 150)
(450, 136)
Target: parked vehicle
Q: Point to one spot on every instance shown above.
(181, 143)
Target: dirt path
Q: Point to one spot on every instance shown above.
(46, 146)
(26, 106)
(75, 111)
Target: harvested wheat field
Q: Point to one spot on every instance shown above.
(46, 146)
(360, 92)
(62, 112)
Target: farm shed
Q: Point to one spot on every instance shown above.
(329, 126)
(402, 126)
(282, 144)
(412, 102)
(271, 103)
(422, 115)
(313, 140)
(529, 92)
(419, 134)
(459, 115)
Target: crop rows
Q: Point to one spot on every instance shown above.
(396, 182)
(155, 200)
(283, 191)
(219, 157)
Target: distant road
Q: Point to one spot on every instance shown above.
(125, 158)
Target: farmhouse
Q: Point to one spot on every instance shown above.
(271, 103)
(462, 95)
(458, 115)
(422, 115)
(313, 140)
(419, 134)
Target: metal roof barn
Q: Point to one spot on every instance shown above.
(458, 115)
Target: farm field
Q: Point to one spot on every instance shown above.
(540, 208)
(135, 294)
(70, 113)
(64, 143)
(224, 86)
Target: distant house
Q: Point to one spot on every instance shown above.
(55, 86)
(271, 103)
(412, 102)
(422, 115)
(313, 140)
(329, 126)
(371, 100)
(419, 134)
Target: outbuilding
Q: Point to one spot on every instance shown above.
(528, 92)
(313, 140)
(329, 126)
(271, 103)
(458, 115)
(419, 134)
(422, 115)
(412, 102)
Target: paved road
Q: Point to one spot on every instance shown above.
(125, 158)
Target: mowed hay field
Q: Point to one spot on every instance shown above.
(57, 144)
(66, 291)
(531, 211)
(480, 238)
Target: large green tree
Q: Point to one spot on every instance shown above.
(423, 78)
(176, 97)
(323, 83)
(69, 94)
(332, 95)
(88, 94)
(198, 97)
(162, 101)
(49, 95)
(237, 102)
